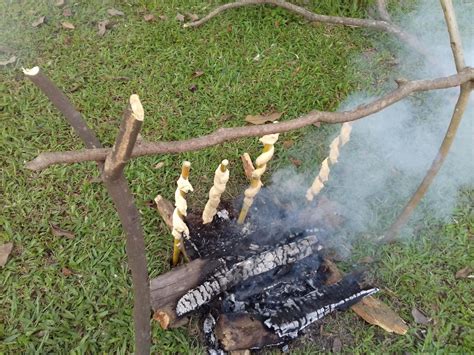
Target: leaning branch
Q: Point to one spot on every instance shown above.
(381, 25)
(458, 113)
(226, 134)
(62, 103)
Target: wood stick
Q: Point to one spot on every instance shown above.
(64, 105)
(248, 165)
(241, 331)
(371, 309)
(126, 138)
(165, 210)
(126, 209)
(168, 288)
(456, 118)
(226, 134)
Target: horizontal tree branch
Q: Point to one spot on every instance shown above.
(381, 25)
(226, 134)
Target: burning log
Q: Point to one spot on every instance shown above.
(179, 227)
(261, 165)
(323, 175)
(227, 277)
(221, 177)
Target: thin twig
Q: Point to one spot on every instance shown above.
(459, 109)
(226, 134)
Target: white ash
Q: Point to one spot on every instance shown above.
(224, 214)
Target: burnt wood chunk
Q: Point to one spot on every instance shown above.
(166, 289)
(242, 331)
(227, 277)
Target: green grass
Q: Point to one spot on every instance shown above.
(303, 67)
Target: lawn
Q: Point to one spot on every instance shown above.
(61, 294)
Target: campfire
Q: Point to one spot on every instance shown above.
(261, 275)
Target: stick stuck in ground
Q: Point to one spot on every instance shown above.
(323, 176)
(221, 177)
(179, 227)
(256, 182)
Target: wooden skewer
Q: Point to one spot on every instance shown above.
(221, 177)
(179, 227)
(323, 176)
(256, 180)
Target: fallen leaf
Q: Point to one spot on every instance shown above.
(192, 87)
(192, 17)
(66, 272)
(163, 17)
(288, 144)
(10, 60)
(149, 17)
(59, 3)
(197, 74)
(68, 25)
(296, 162)
(115, 12)
(159, 165)
(337, 345)
(179, 17)
(102, 25)
(67, 12)
(261, 119)
(229, 28)
(464, 273)
(58, 232)
(5, 250)
(419, 317)
(38, 22)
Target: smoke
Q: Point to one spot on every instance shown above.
(390, 152)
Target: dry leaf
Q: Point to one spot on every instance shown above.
(149, 17)
(248, 165)
(192, 87)
(179, 17)
(159, 165)
(115, 12)
(464, 273)
(192, 17)
(68, 25)
(288, 144)
(59, 3)
(5, 250)
(10, 60)
(102, 25)
(58, 232)
(337, 345)
(197, 74)
(419, 317)
(163, 17)
(261, 119)
(66, 272)
(38, 22)
(67, 12)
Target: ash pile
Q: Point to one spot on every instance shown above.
(264, 282)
